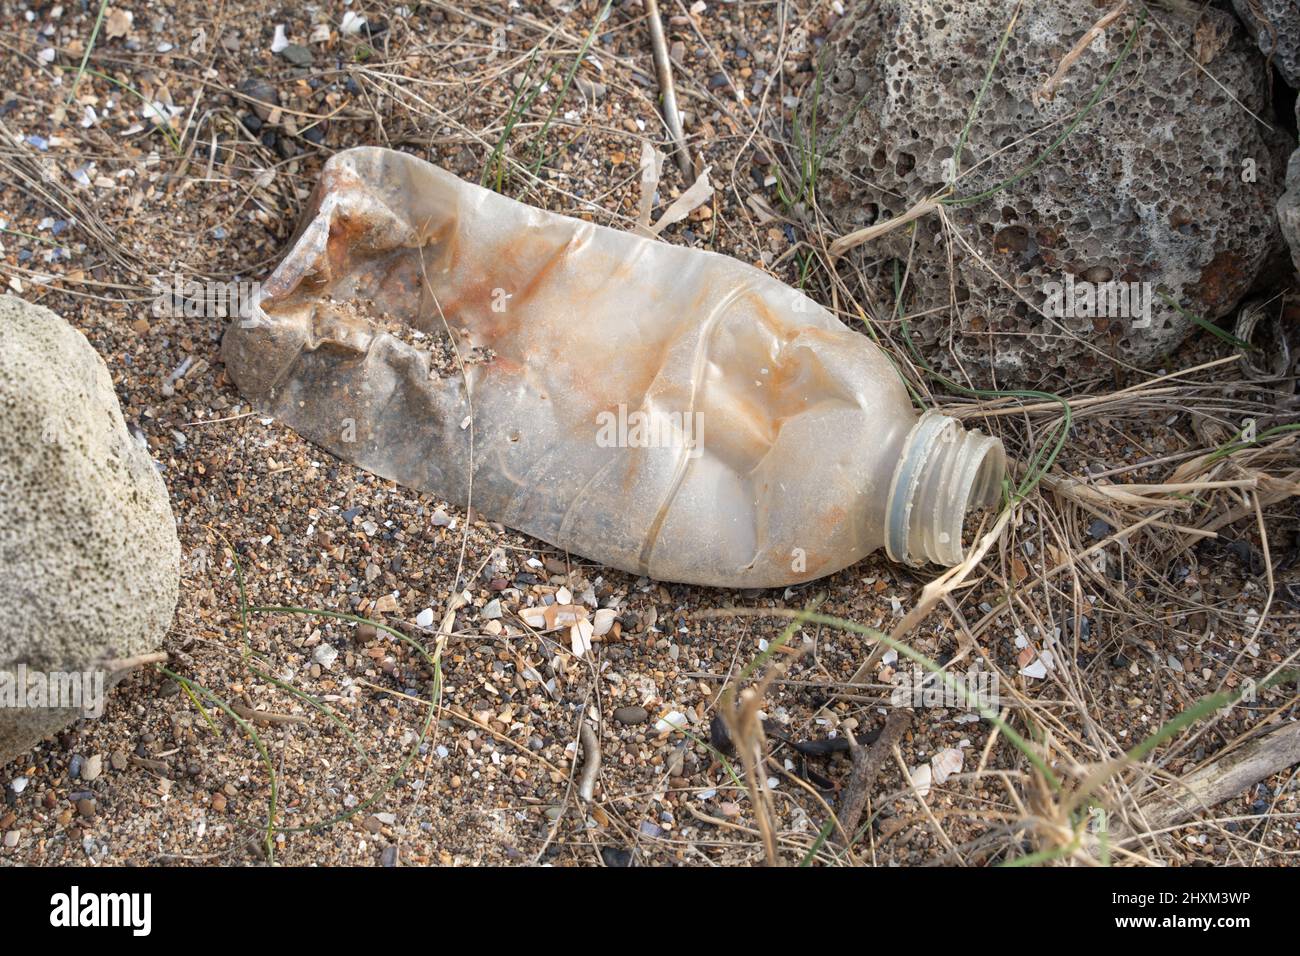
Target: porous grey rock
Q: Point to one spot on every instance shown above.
(1167, 181)
(1275, 25)
(89, 558)
(1288, 207)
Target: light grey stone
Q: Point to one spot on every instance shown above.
(89, 558)
(1276, 29)
(1288, 207)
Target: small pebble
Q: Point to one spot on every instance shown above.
(631, 715)
(1098, 529)
(616, 856)
(297, 55)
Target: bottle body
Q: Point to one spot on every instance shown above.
(662, 410)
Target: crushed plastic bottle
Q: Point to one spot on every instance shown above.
(662, 410)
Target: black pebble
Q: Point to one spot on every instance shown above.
(718, 736)
(614, 856)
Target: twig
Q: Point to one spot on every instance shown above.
(844, 243)
(157, 766)
(933, 592)
(591, 767)
(866, 767)
(131, 663)
(1048, 90)
(266, 716)
(1218, 781)
(746, 730)
(664, 67)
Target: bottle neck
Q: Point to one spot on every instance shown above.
(943, 472)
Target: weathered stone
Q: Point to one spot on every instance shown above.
(631, 715)
(265, 94)
(1288, 207)
(89, 559)
(1166, 186)
(297, 54)
(1275, 25)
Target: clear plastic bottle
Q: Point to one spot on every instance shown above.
(667, 411)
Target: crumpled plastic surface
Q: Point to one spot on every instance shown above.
(789, 423)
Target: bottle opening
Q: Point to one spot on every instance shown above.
(944, 471)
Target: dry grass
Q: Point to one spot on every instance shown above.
(1151, 487)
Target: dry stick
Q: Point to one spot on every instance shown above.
(591, 767)
(564, 805)
(855, 239)
(932, 593)
(267, 717)
(866, 767)
(746, 730)
(157, 766)
(1147, 389)
(664, 67)
(1048, 90)
(925, 807)
(1000, 407)
(739, 828)
(1220, 780)
(131, 663)
(1270, 491)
